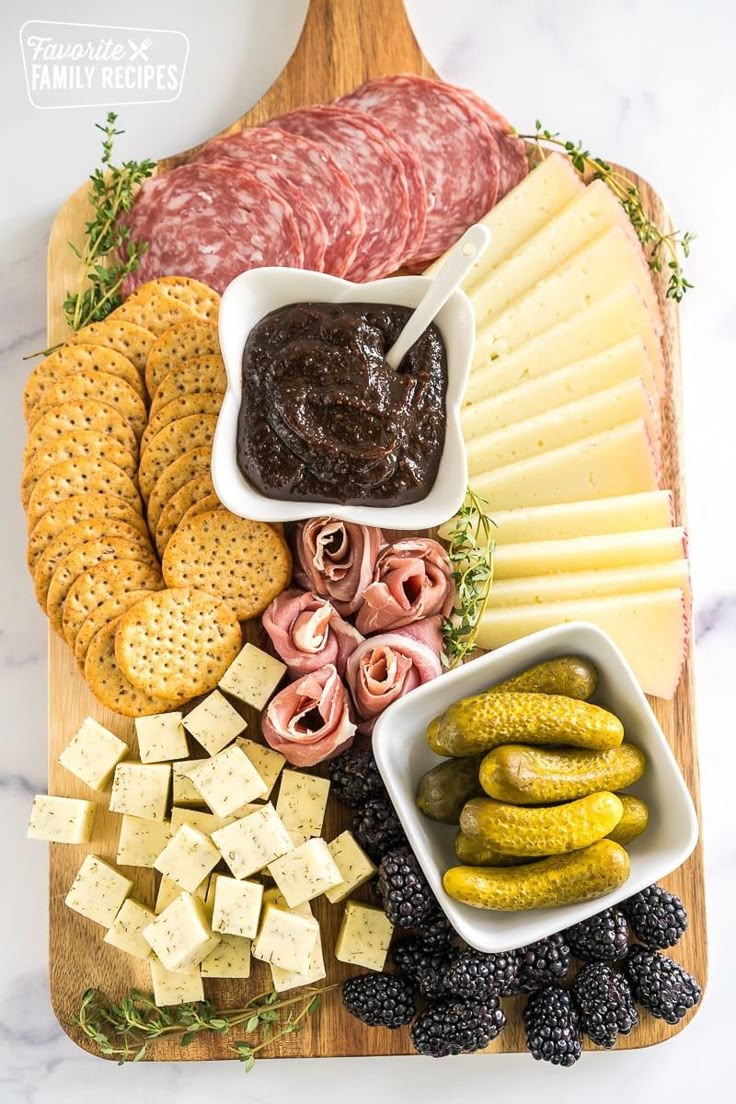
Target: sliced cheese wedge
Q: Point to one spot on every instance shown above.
(574, 585)
(561, 426)
(650, 629)
(627, 360)
(618, 462)
(648, 546)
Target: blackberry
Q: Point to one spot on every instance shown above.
(377, 827)
(403, 889)
(601, 938)
(552, 1028)
(451, 1025)
(480, 976)
(660, 984)
(380, 1000)
(543, 963)
(604, 1002)
(355, 777)
(657, 918)
(425, 968)
(436, 932)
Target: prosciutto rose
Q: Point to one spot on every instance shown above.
(308, 632)
(384, 668)
(412, 580)
(309, 721)
(336, 560)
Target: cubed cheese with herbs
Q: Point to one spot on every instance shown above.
(274, 896)
(237, 907)
(141, 841)
(302, 802)
(188, 858)
(249, 844)
(98, 891)
(195, 818)
(168, 891)
(141, 789)
(61, 819)
(184, 792)
(268, 763)
(286, 939)
(161, 738)
(92, 754)
(126, 930)
(181, 936)
(364, 936)
(214, 723)
(253, 676)
(170, 987)
(230, 958)
(227, 781)
(305, 872)
(290, 979)
(354, 866)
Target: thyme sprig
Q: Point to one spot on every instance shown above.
(128, 1029)
(471, 549)
(663, 250)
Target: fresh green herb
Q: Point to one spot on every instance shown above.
(127, 1030)
(662, 249)
(471, 549)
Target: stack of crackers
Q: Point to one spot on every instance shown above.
(134, 560)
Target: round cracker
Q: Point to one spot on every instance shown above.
(209, 502)
(100, 583)
(202, 373)
(108, 683)
(175, 475)
(177, 643)
(134, 342)
(83, 558)
(79, 415)
(96, 385)
(202, 300)
(203, 402)
(69, 360)
(63, 515)
(102, 615)
(86, 475)
(192, 492)
(70, 446)
(175, 348)
(70, 538)
(245, 563)
(149, 307)
(174, 439)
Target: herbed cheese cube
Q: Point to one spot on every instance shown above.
(268, 763)
(230, 959)
(141, 789)
(161, 738)
(306, 872)
(141, 841)
(214, 723)
(92, 754)
(237, 907)
(302, 802)
(184, 792)
(181, 936)
(364, 936)
(249, 844)
(98, 891)
(290, 979)
(126, 931)
(353, 863)
(188, 858)
(253, 676)
(61, 819)
(171, 987)
(168, 891)
(203, 822)
(274, 896)
(227, 781)
(286, 939)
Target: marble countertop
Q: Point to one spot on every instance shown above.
(648, 83)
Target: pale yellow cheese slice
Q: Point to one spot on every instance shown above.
(648, 546)
(574, 585)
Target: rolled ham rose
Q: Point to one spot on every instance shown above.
(308, 632)
(309, 721)
(384, 668)
(336, 560)
(412, 580)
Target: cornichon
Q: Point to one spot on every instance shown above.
(560, 880)
(525, 775)
(473, 852)
(491, 719)
(444, 789)
(633, 821)
(548, 830)
(571, 676)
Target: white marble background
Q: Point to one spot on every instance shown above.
(649, 83)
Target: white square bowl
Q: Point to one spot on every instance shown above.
(403, 756)
(245, 302)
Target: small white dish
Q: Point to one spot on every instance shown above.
(403, 756)
(254, 294)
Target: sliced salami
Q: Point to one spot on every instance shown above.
(514, 163)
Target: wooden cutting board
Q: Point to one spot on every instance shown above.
(344, 42)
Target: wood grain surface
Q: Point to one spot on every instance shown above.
(343, 43)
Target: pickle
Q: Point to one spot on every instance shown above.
(488, 720)
(571, 676)
(541, 776)
(633, 822)
(547, 830)
(473, 852)
(444, 789)
(560, 880)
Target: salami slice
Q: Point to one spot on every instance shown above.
(514, 163)
(363, 150)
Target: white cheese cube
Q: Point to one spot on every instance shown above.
(253, 676)
(274, 896)
(227, 781)
(230, 959)
(188, 858)
(290, 979)
(61, 819)
(249, 844)
(237, 907)
(268, 763)
(364, 936)
(181, 936)
(306, 872)
(126, 932)
(171, 987)
(214, 723)
(168, 891)
(92, 754)
(141, 789)
(141, 841)
(302, 802)
(203, 822)
(98, 891)
(183, 791)
(161, 738)
(286, 939)
(352, 862)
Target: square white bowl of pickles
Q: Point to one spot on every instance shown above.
(403, 756)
